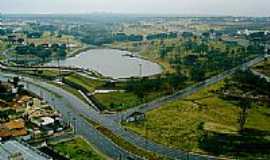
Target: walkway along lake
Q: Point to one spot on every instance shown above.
(112, 63)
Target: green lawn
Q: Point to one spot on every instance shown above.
(122, 143)
(47, 37)
(2, 45)
(45, 74)
(87, 83)
(179, 124)
(118, 100)
(78, 149)
(2, 58)
(263, 67)
(114, 101)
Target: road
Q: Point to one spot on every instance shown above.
(261, 75)
(67, 105)
(72, 107)
(183, 93)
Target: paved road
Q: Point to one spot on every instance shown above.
(183, 93)
(70, 106)
(66, 104)
(261, 75)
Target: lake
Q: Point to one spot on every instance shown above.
(112, 63)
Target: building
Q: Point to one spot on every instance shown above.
(37, 109)
(136, 116)
(14, 128)
(6, 91)
(45, 118)
(14, 150)
(21, 103)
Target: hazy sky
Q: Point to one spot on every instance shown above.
(198, 7)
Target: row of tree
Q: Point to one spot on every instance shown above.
(167, 84)
(43, 51)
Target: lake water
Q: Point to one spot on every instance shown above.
(112, 63)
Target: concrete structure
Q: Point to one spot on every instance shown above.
(136, 116)
(14, 150)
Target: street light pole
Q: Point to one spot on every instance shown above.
(140, 70)
(74, 125)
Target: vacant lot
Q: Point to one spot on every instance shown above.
(118, 100)
(2, 45)
(78, 149)
(264, 67)
(206, 123)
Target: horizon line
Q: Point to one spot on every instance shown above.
(135, 14)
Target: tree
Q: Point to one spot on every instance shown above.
(244, 105)
(163, 52)
(61, 53)
(198, 73)
(44, 53)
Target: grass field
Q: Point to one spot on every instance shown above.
(47, 37)
(78, 149)
(87, 83)
(44, 74)
(179, 124)
(122, 143)
(3, 45)
(113, 101)
(263, 67)
(118, 100)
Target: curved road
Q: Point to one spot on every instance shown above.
(67, 105)
(72, 107)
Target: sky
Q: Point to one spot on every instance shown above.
(180, 7)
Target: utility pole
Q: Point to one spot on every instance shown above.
(59, 68)
(146, 135)
(140, 70)
(68, 45)
(41, 94)
(69, 119)
(74, 125)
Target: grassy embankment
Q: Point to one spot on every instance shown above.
(122, 143)
(147, 51)
(3, 46)
(78, 149)
(88, 84)
(263, 67)
(113, 101)
(109, 101)
(180, 124)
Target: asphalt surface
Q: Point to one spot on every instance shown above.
(72, 107)
(67, 105)
(185, 92)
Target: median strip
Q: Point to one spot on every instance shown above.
(121, 142)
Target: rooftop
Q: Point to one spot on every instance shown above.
(13, 147)
(13, 128)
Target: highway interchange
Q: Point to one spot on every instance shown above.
(73, 108)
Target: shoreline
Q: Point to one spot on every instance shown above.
(131, 54)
